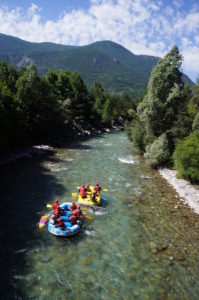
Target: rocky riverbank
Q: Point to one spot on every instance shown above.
(188, 193)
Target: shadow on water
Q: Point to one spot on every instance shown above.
(25, 187)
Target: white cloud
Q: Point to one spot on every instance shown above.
(142, 26)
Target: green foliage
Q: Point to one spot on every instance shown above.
(196, 122)
(115, 67)
(186, 157)
(34, 108)
(138, 135)
(157, 153)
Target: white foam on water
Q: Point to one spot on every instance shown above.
(90, 232)
(68, 159)
(21, 250)
(127, 160)
(128, 185)
(100, 213)
(144, 177)
(110, 179)
(59, 169)
(108, 144)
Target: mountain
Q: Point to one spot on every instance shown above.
(114, 66)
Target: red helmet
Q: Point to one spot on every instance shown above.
(59, 220)
(78, 206)
(97, 183)
(54, 217)
(73, 202)
(56, 201)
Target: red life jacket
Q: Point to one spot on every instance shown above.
(73, 207)
(60, 223)
(73, 220)
(77, 213)
(54, 206)
(97, 188)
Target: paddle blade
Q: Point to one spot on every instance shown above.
(89, 218)
(49, 206)
(104, 198)
(84, 208)
(45, 217)
(74, 195)
(105, 190)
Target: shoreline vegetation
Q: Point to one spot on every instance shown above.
(22, 152)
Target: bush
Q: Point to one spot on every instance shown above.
(138, 136)
(186, 157)
(196, 122)
(157, 153)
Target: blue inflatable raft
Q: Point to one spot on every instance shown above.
(69, 228)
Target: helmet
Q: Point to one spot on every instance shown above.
(73, 202)
(97, 183)
(78, 206)
(56, 201)
(59, 220)
(54, 217)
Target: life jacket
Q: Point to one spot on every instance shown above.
(60, 223)
(54, 206)
(73, 220)
(83, 194)
(77, 213)
(87, 188)
(73, 206)
(97, 188)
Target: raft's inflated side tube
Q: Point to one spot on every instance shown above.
(69, 228)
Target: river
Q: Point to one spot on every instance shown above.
(143, 244)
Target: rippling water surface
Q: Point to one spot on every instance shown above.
(143, 244)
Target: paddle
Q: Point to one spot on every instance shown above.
(104, 198)
(44, 219)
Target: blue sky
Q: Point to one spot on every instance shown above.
(143, 26)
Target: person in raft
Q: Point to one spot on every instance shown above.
(73, 220)
(87, 188)
(97, 188)
(83, 191)
(77, 212)
(55, 204)
(73, 206)
(60, 223)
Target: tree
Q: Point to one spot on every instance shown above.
(186, 157)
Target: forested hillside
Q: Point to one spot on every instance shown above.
(35, 108)
(116, 68)
(165, 125)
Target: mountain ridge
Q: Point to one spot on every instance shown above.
(118, 69)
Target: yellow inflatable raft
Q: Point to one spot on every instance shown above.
(88, 201)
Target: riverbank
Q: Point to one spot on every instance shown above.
(188, 193)
(33, 150)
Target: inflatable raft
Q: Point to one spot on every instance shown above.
(69, 228)
(88, 201)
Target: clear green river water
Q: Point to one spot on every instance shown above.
(143, 244)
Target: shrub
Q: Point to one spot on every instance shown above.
(196, 122)
(186, 157)
(138, 136)
(157, 153)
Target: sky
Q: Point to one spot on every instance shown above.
(150, 27)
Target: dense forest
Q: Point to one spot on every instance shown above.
(35, 108)
(165, 125)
